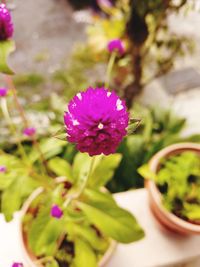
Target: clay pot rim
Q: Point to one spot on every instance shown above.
(30, 258)
(155, 193)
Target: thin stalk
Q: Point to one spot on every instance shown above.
(17, 103)
(84, 185)
(111, 63)
(22, 114)
(12, 127)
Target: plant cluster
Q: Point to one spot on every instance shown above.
(178, 181)
(73, 219)
(158, 128)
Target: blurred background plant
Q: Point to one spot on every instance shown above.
(151, 45)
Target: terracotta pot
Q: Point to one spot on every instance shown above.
(29, 257)
(169, 220)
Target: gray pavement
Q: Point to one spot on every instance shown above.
(45, 33)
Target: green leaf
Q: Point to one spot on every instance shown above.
(113, 221)
(90, 235)
(49, 147)
(84, 255)
(52, 263)
(11, 201)
(81, 166)
(95, 196)
(192, 211)
(104, 170)
(14, 195)
(45, 232)
(6, 47)
(47, 240)
(146, 173)
(61, 168)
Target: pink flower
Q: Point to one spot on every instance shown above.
(56, 211)
(116, 45)
(3, 169)
(6, 25)
(104, 3)
(17, 264)
(3, 92)
(30, 131)
(96, 121)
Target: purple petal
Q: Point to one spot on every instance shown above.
(96, 121)
(56, 212)
(3, 92)
(6, 25)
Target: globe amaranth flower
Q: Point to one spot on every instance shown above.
(96, 121)
(116, 45)
(56, 211)
(3, 169)
(17, 264)
(3, 92)
(6, 25)
(29, 131)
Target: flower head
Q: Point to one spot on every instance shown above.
(116, 45)
(96, 121)
(30, 131)
(6, 25)
(3, 92)
(3, 169)
(56, 211)
(17, 264)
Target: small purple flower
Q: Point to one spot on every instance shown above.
(3, 169)
(17, 264)
(56, 211)
(116, 45)
(30, 131)
(96, 121)
(3, 92)
(6, 25)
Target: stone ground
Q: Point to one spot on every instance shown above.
(44, 29)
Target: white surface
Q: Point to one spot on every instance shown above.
(158, 248)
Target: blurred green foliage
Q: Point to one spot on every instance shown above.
(159, 128)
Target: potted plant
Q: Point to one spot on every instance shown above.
(173, 179)
(68, 218)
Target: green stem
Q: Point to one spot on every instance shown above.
(85, 182)
(21, 111)
(84, 185)
(110, 68)
(12, 127)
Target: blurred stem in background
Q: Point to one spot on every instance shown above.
(145, 27)
(110, 68)
(22, 114)
(12, 127)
